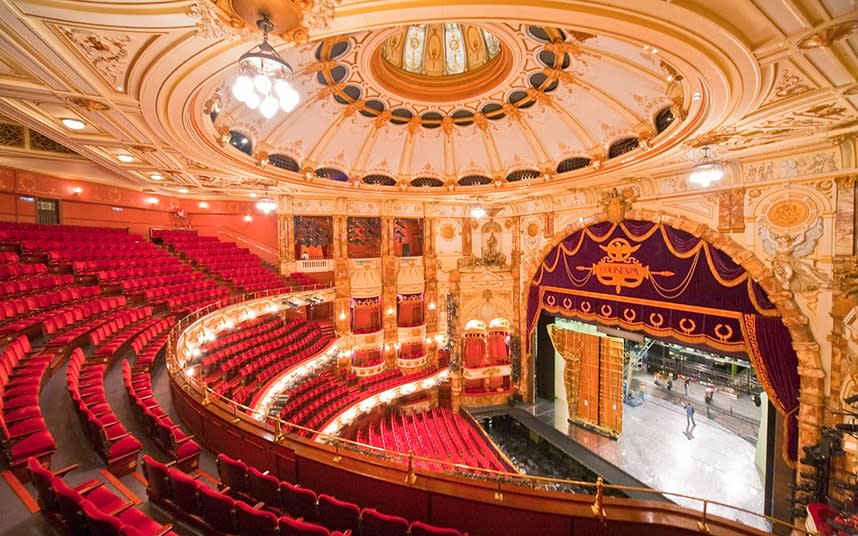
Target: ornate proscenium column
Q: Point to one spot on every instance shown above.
(569, 345)
(430, 288)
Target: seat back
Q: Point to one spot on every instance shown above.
(185, 492)
(379, 524)
(298, 501)
(264, 487)
(418, 528)
(293, 527)
(232, 473)
(41, 479)
(254, 522)
(98, 522)
(158, 488)
(69, 503)
(218, 510)
(338, 515)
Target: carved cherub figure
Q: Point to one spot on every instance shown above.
(787, 251)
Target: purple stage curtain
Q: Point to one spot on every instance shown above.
(776, 363)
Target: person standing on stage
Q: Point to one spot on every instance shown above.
(686, 385)
(689, 417)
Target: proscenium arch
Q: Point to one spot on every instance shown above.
(811, 374)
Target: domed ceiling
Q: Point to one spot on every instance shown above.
(455, 106)
(393, 97)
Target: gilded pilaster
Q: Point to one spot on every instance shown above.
(342, 284)
(388, 291)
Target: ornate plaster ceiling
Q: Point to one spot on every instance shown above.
(541, 115)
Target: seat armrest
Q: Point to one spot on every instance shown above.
(65, 470)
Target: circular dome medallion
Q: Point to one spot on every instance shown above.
(442, 62)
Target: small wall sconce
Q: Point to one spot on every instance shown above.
(76, 191)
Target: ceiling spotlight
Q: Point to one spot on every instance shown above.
(73, 123)
(263, 80)
(156, 176)
(125, 158)
(477, 212)
(707, 171)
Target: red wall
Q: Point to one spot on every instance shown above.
(94, 206)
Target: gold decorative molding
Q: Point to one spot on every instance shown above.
(826, 36)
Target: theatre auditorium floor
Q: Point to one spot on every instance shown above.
(714, 462)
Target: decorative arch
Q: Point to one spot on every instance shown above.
(807, 409)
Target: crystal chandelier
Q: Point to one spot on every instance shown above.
(263, 80)
(707, 171)
(266, 205)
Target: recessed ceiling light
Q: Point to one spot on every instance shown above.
(183, 190)
(125, 158)
(73, 123)
(156, 176)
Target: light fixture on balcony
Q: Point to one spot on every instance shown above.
(263, 80)
(266, 205)
(707, 170)
(477, 211)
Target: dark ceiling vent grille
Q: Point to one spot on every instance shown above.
(474, 180)
(571, 164)
(427, 182)
(522, 175)
(379, 180)
(11, 135)
(664, 119)
(622, 147)
(332, 174)
(40, 142)
(284, 162)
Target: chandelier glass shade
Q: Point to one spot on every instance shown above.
(707, 171)
(263, 78)
(266, 205)
(477, 212)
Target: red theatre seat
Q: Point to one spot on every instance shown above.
(253, 521)
(338, 515)
(379, 524)
(418, 528)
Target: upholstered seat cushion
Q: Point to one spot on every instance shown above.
(35, 445)
(293, 527)
(124, 447)
(379, 524)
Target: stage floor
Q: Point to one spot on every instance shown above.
(711, 462)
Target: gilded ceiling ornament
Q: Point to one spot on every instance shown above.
(213, 25)
(615, 203)
(447, 124)
(827, 36)
(481, 121)
(88, 104)
(786, 253)
(790, 84)
(108, 54)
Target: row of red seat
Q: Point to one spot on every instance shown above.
(112, 337)
(14, 270)
(117, 447)
(249, 485)
(183, 273)
(161, 294)
(196, 300)
(72, 323)
(237, 265)
(149, 343)
(23, 432)
(89, 508)
(247, 335)
(29, 285)
(169, 436)
(214, 511)
(437, 434)
(19, 314)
